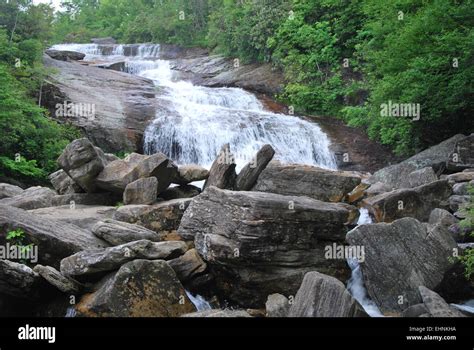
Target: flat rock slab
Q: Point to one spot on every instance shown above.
(55, 239)
(118, 232)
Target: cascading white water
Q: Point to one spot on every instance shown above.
(199, 302)
(203, 119)
(355, 285)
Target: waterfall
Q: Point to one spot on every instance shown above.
(203, 119)
(199, 302)
(355, 285)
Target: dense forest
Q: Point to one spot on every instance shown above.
(341, 59)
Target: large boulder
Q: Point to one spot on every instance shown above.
(306, 180)
(90, 262)
(31, 198)
(55, 239)
(118, 174)
(419, 177)
(63, 184)
(118, 232)
(190, 173)
(64, 55)
(263, 243)
(222, 173)
(141, 288)
(83, 216)
(188, 265)
(163, 217)
(400, 257)
(7, 190)
(141, 191)
(462, 156)
(123, 107)
(324, 296)
(20, 281)
(435, 157)
(82, 162)
(437, 306)
(415, 202)
(277, 305)
(248, 176)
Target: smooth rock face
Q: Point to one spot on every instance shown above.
(188, 265)
(190, 173)
(324, 296)
(462, 156)
(63, 184)
(248, 176)
(277, 305)
(83, 216)
(118, 232)
(64, 55)
(305, 180)
(31, 198)
(436, 305)
(141, 191)
(7, 190)
(163, 217)
(141, 288)
(99, 260)
(434, 157)
(415, 202)
(124, 106)
(400, 257)
(118, 174)
(222, 173)
(419, 177)
(55, 278)
(19, 280)
(55, 239)
(81, 161)
(262, 243)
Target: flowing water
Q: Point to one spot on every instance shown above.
(203, 119)
(355, 285)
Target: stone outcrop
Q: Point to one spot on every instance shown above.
(305, 180)
(400, 257)
(262, 243)
(64, 55)
(324, 296)
(63, 184)
(141, 191)
(7, 190)
(118, 232)
(140, 288)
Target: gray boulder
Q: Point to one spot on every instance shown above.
(222, 173)
(415, 202)
(248, 176)
(435, 157)
(63, 184)
(7, 190)
(305, 180)
(324, 296)
(400, 257)
(140, 288)
(81, 161)
(55, 278)
(437, 306)
(54, 239)
(64, 55)
(190, 173)
(163, 217)
(462, 156)
(262, 243)
(20, 281)
(419, 177)
(141, 191)
(277, 305)
(90, 262)
(31, 198)
(118, 232)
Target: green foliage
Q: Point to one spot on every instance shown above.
(17, 238)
